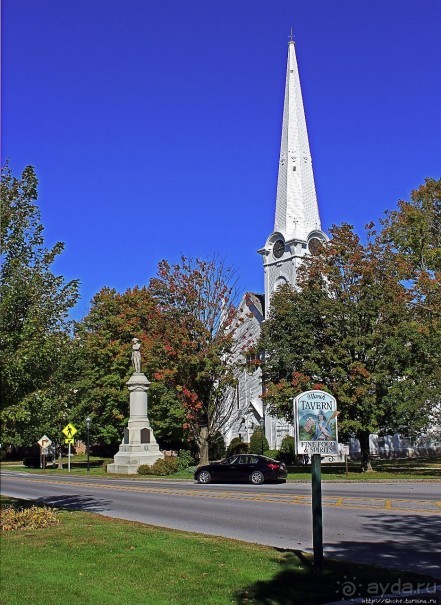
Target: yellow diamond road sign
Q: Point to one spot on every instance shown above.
(69, 430)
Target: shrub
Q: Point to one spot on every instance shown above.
(258, 442)
(237, 446)
(185, 460)
(106, 462)
(34, 517)
(287, 450)
(162, 466)
(145, 469)
(32, 461)
(274, 454)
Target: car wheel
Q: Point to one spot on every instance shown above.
(256, 478)
(204, 477)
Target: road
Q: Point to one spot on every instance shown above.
(395, 525)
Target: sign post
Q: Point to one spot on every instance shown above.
(69, 431)
(345, 451)
(317, 516)
(315, 414)
(44, 442)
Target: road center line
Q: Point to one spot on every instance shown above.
(390, 505)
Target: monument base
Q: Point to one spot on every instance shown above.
(139, 445)
(128, 462)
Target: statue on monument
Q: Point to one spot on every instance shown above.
(136, 355)
(139, 445)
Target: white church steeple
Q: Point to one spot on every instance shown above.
(297, 221)
(296, 204)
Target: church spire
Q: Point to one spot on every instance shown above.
(297, 211)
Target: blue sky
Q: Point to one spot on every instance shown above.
(154, 125)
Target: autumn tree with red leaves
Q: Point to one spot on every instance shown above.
(196, 298)
(102, 366)
(346, 330)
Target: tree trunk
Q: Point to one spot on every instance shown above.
(60, 459)
(203, 446)
(363, 437)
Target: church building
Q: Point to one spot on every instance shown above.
(296, 231)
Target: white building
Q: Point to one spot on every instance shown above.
(296, 231)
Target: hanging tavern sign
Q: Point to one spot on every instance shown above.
(315, 414)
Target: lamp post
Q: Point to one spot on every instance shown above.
(262, 425)
(88, 421)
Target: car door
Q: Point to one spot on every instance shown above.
(245, 466)
(227, 470)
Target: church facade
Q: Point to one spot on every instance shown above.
(297, 230)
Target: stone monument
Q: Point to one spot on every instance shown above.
(139, 444)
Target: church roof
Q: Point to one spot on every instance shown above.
(297, 212)
(256, 304)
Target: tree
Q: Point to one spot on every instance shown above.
(102, 364)
(346, 331)
(34, 326)
(258, 442)
(196, 299)
(414, 232)
(414, 229)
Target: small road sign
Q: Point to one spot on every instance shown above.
(69, 430)
(67, 441)
(44, 441)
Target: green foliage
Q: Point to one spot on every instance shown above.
(102, 347)
(258, 441)
(274, 454)
(185, 460)
(162, 467)
(35, 339)
(347, 331)
(237, 446)
(415, 228)
(414, 232)
(288, 450)
(34, 517)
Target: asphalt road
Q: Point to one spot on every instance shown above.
(394, 525)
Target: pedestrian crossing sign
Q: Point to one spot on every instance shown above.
(69, 430)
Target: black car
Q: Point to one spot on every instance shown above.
(242, 467)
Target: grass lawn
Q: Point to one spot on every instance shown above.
(405, 469)
(92, 560)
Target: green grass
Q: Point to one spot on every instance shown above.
(402, 469)
(93, 560)
(405, 469)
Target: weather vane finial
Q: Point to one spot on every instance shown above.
(291, 37)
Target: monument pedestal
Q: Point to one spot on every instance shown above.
(139, 444)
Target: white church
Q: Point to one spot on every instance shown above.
(297, 230)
